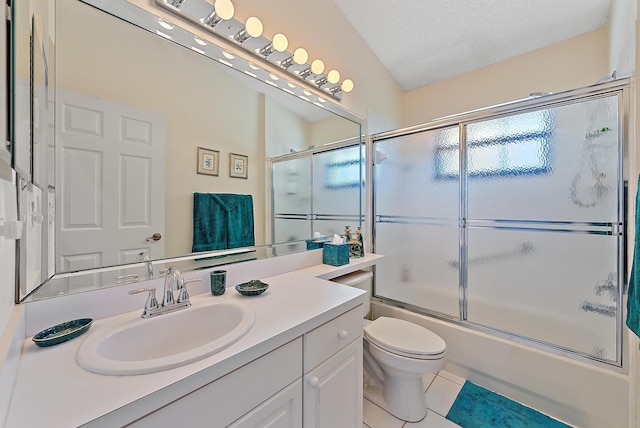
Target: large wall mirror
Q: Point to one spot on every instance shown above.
(133, 123)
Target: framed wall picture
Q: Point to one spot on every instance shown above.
(238, 165)
(208, 161)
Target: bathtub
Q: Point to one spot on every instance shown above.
(579, 393)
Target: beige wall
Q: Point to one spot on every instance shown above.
(282, 139)
(580, 61)
(621, 28)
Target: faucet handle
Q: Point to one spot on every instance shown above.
(183, 296)
(152, 302)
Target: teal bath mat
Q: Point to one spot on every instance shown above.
(476, 407)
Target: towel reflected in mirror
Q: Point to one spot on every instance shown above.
(222, 221)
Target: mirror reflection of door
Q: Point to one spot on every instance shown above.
(110, 159)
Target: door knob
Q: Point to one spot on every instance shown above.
(154, 237)
(314, 381)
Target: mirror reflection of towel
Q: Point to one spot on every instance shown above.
(222, 221)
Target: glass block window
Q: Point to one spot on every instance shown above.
(513, 145)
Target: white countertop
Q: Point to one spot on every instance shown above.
(53, 390)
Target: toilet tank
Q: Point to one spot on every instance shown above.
(361, 279)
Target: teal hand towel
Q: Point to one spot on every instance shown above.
(222, 221)
(633, 297)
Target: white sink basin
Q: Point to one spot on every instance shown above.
(131, 345)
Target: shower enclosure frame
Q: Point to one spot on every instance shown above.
(622, 88)
(313, 216)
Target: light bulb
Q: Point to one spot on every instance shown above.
(280, 42)
(317, 66)
(254, 26)
(333, 76)
(224, 9)
(347, 85)
(300, 56)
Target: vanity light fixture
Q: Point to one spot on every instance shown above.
(347, 85)
(161, 34)
(333, 76)
(164, 24)
(268, 52)
(278, 44)
(222, 10)
(252, 28)
(300, 57)
(317, 67)
(321, 82)
(199, 41)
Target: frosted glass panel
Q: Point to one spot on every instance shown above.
(331, 227)
(420, 266)
(559, 288)
(409, 178)
(289, 230)
(558, 164)
(337, 178)
(292, 186)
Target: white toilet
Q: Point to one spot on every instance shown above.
(397, 354)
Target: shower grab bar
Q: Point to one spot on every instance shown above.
(606, 310)
(526, 247)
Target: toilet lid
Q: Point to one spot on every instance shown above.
(403, 337)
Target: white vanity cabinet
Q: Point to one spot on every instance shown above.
(222, 402)
(332, 392)
(312, 381)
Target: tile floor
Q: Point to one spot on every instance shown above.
(442, 390)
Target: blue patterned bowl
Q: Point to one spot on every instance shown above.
(62, 332)
(252, 288)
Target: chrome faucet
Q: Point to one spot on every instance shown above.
(144, 257)
(173, 281)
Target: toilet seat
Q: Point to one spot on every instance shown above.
(405, 339)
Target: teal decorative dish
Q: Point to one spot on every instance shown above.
(252, 288)
(62, 332)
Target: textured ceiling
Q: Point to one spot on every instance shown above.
(424, 41)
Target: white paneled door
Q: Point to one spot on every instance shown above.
(109, 182)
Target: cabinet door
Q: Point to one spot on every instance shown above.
(283, 410)
(223, 401)
(333, 391)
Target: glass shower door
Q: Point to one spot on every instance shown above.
(291, 203)
(337, 182)
(542, 225)
(416, 220)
